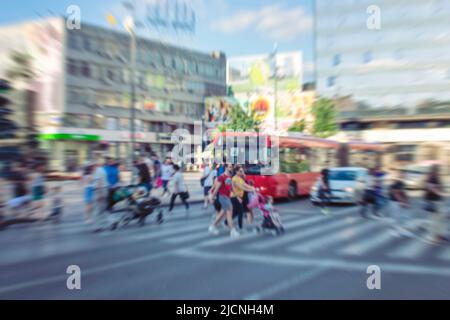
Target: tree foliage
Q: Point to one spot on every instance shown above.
(298, 126)
(240, 121)
(325, 114)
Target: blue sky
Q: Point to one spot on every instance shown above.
(237, 27)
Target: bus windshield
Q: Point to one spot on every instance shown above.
(253, 169)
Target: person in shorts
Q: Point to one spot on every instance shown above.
(223, 188)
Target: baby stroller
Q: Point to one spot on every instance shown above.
(138, 206)
(271, 218)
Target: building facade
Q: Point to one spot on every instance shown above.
(83, 84)
(386, 65)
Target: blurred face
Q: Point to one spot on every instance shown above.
(241, 173)
(228, 168)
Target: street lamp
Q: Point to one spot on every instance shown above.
(273, 57)
(129, 25)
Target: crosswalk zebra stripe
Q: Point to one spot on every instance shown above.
(191, 237)
(369, 243)
(335, 238)
(412, 249)
(311, 231)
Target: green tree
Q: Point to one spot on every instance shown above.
(325, 113)
(298, 126)
(240, 120)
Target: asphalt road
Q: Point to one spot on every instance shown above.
(319, 257)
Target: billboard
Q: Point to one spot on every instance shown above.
(250, 73)
(217, 109)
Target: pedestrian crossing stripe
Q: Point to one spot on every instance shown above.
(289, 238)
(333, 239)
(371, 243)
(206, 235)
(348, 234)
(413, 248)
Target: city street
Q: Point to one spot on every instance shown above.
(319, 257)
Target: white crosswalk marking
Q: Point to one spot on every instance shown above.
(412, 249)
(193, 236)
(364, 245)
(335, 238)
(310, 231)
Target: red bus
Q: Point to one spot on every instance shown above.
(300, 159)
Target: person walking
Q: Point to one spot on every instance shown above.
(223, 188)
(113, 177)
(239, 187)
(399, 203)
(166, 173)
(87, 181)
(156, 167)
(100, 183)
(369, 197)
(143, 173)
(38, 191)
(179, 189)
(324, 191)
(434, 197)
(207, 180)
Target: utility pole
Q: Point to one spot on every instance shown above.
(273, 57)
(131, 28)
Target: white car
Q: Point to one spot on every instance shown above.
(345, 184)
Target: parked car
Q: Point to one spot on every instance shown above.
(343, 183)
(416, 174)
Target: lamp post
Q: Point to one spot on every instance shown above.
(130, 27)
(273, 58)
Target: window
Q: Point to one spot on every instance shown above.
(72, 67)
(412, 125)
(112, 124)
(124, 124)
(367, 57)
(87, 44)
(336, 60)
(405, 152)
(331, 81)
(85, 70)
(111, 75)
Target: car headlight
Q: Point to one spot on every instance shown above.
(349, 190)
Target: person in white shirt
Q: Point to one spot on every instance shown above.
(179, 189)
(207, 181)
(166, 173)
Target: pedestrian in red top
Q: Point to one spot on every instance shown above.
(223, 187)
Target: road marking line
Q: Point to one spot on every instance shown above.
(367, 244)
(286, 285)
(337, 237)
(321, 228)
(316, 262)
(206, 235)
(85, 272)
(410, 250)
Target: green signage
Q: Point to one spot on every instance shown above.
(69, 136)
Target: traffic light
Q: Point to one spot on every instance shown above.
(7, 127)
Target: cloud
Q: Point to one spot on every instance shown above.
(275, 21)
